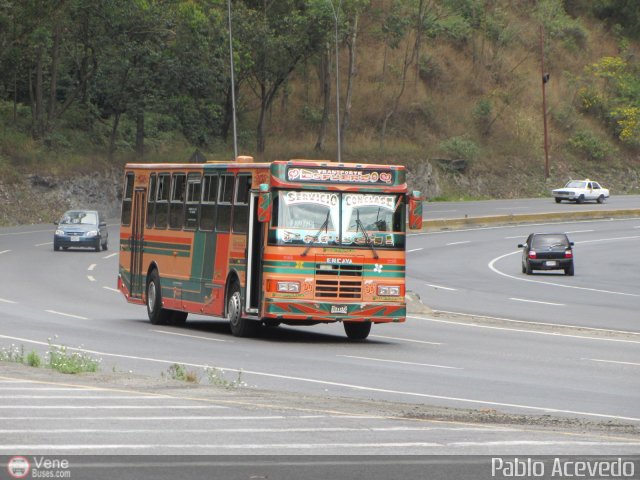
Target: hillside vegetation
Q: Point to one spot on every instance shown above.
(451, 88)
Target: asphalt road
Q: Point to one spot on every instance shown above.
(442, 360)
(439, 210)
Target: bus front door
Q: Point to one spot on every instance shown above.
(137, 242)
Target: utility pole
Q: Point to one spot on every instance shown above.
(233, 88)
(545, 79)
(336, 13)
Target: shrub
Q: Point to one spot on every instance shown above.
(461, 148)
(589, 145)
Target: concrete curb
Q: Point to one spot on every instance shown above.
(458, 223)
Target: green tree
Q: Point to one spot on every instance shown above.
(277, 36)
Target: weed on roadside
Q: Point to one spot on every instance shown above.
(179, 372)
(216, 377)
(63, 361)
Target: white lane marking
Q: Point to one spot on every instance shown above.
(442, 211)
(407, 340)
(189, 336)
(513, 208)
(637, 226)
(309, 446)
(260, 430)
(91, 278)
(91, 267)
(441, 287)
(532, 332)
(581, 231)
(415, 250)
(494, 269)
(612, 361)
(36, 388)
(112, 289)
(66, 314)
(110, 407)
(401, 362)
(42, 244)
(86, 397)
(4, 300)
(4, 251)
(502, 227)
(179, 417)
(537, 301)
(353, 386)
(526, 322)
(458, 243)
(109, 256)
(513, 238)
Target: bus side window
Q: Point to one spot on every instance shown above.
(225, 199)
(209, 197)
(151, 202)
(176, 210)
(127, 199)
(194, 184)
(162, 200)
(241, 204)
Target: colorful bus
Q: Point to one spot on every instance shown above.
(294, 242)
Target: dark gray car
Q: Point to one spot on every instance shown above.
(81, 228)
(547, 251)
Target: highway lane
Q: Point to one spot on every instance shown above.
(425, 361)
(478, 271)
(523, 206)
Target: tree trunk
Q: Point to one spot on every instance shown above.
(325, 85)
(260, 140)
(352, 73)
(112, 137)
(55, 62)
(140, 133)
(396, 101)
(38, 119)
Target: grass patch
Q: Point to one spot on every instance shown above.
(179, 372)
(63, 361)
(216, 377)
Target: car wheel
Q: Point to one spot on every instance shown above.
(105, 245)
(558, 200)
(601, 199)
(580, 199)
(569, 270)
(524, 269)
(357, 330)
(240, 327)
(528, 269)
(157, 314)
(97, 247)
(56, 247)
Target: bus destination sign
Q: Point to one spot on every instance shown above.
(334, 175)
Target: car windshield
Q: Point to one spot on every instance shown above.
(79, 218)
(337, 218)
(576, 184)
(542, 241)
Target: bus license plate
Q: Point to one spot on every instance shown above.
(340, 309)
(551, 263)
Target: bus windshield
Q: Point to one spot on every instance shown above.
(338, 219)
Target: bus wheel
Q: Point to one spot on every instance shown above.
(357, 330)
(157, 314)
(240, 327)
(178, 318)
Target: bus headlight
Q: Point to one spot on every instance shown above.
(288, 287)
(388, 291)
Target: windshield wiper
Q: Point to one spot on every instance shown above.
(366, 235)
(324, 225)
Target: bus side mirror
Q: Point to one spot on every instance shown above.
(415, 211)
(264, 203)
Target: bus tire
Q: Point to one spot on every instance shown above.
(178, 318)
(357, 330)
(240, 327)
(157, 314)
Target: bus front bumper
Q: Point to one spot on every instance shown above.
(310, 310)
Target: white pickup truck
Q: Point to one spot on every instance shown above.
(580, 190)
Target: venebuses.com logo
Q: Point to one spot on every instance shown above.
(18, 467)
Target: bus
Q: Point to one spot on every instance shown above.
(294, 242)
